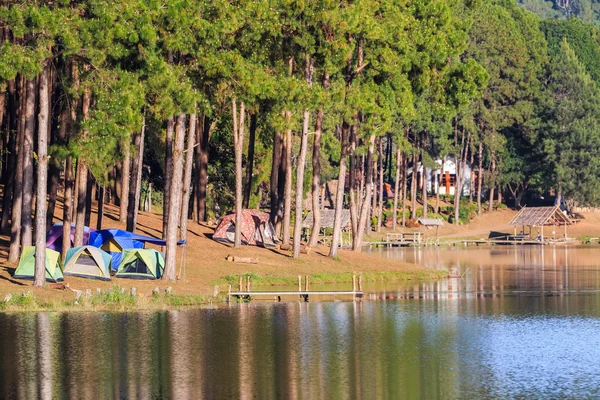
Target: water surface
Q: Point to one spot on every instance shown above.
(522, 323)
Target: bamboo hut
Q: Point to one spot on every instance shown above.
(539, 217)
(327, 219)
(429, 223)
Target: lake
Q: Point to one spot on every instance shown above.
(518, 322)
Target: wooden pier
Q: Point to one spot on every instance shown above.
(303, 294)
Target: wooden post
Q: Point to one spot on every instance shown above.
(360, 283)
(299, 283)
(240, 283)
(306, 283)
(354, 283)
(247, 283)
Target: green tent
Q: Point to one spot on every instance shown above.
(88, 262)
(141, 264)
(26, 266)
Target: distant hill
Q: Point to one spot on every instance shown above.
(586, 10)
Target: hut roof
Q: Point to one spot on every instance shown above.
(327, 217)
(540, 216)
(430, 222)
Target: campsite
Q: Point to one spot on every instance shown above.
(299, 199)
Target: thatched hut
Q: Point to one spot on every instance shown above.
(539, 217)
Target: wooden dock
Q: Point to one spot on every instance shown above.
(303, 295)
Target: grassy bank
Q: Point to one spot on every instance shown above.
(118, 298)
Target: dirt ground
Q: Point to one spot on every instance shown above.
(206, 262)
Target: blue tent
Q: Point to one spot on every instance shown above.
(114, 241)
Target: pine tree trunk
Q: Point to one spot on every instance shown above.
(187, 176)
(202, 166)
(287, 195)
(68, 207)
(250, 161)
(17, 201)
(479, 177)
(308, 74)
(135, 186)
(82, 180)
(381, 176)
(42, 180)
(26, 221)
(364, 212)
(339, 201)
(413, 187)
(424, 190)
(316, 180)
(174, 201)
(101, 196)
(168, 174)
(274, 183)
(12, 128)
(352, 175)
(404, 186)
(125, 183)
(238, 136)
(55, 165)
(397, 187)
(492, 183)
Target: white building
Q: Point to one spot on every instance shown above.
(443, 179)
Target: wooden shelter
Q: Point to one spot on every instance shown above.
(539, 217)
(327, 220)
(430, 223)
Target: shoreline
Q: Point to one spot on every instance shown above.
(127, 299)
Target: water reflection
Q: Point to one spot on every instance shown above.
(382, 349)
(521, 323)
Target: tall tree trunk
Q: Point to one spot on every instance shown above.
(316, 180)
(187, 176)
(135, 186)
(287, 211)
(101, 196)
(250, 161)
(168, 174)
(12, 128)
(17, 206)
(404, 186)
(381, 181)
(493, 182)
(202, 164)
(125, 183)
(174, 200)
(68, 207)
(354, 207)
(373, 208)
(339, 201)
(479, 177)
(413, 187)
(26, 225)
(281, 187)
(364, 211)
(82, 180)
(55, 165)
(397, 187)
(42, 183)
(238, 137)
(300, 165)
(424, 187)
(274, 183)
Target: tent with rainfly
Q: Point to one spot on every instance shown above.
(26, 267)
(88, 262)
(141, 264)
(54, 237)
(257, 229)
(115, 241)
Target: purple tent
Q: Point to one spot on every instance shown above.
(54, 237)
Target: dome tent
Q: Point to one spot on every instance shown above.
(26, 267)
(141, 264)
(88, 262)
